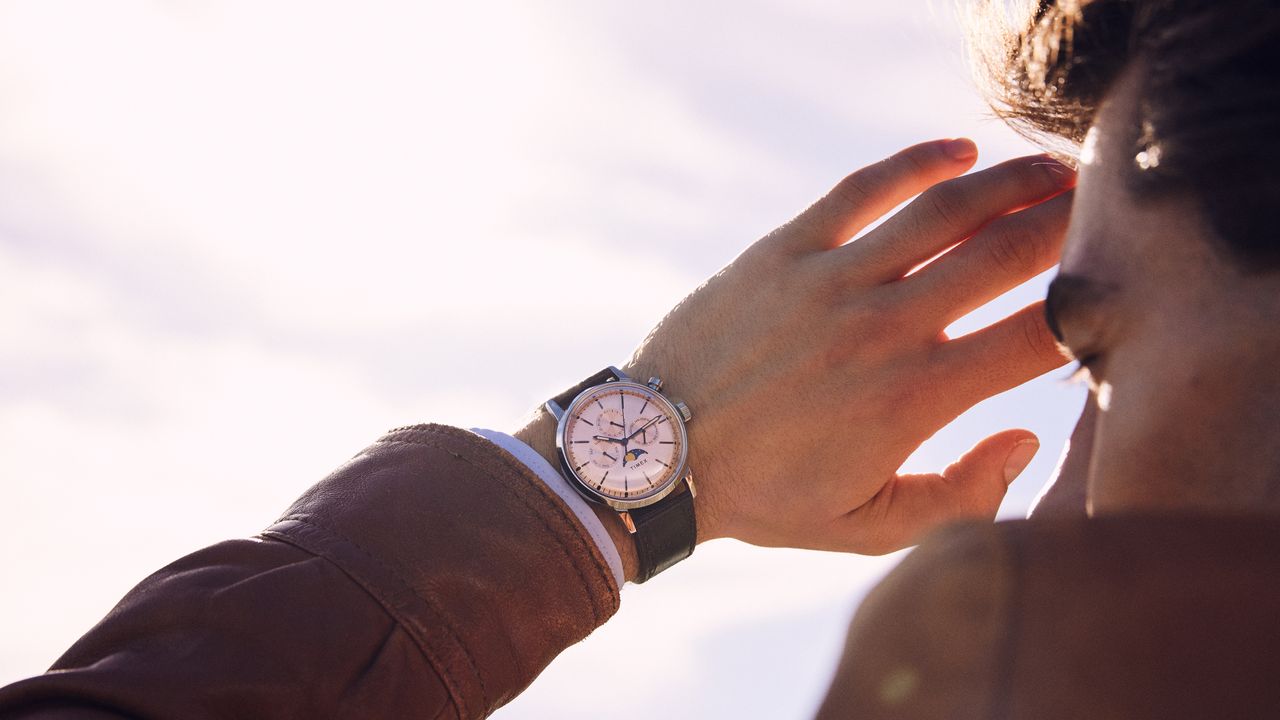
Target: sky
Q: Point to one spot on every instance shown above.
(239, 240)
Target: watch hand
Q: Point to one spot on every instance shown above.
(606, 438)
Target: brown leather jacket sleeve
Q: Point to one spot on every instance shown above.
(432, 576)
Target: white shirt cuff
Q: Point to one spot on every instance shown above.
(557, 482)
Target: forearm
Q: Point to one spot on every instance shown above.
(432, 572)
(539, 434)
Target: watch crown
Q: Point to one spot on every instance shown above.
(655, 383)
(684, 411)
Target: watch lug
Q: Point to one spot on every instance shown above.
(655, 383)
(626, 520)
(619, 374)
(554, 408)
(693, 490)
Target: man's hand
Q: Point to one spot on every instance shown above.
(814, 365)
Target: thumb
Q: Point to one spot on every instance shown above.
(971, 487)
(988, 469)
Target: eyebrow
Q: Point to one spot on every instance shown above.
(1070, 295)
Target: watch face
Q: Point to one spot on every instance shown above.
(624, 441)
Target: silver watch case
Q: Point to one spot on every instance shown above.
(585, 490)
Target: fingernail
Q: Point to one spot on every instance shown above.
(1019, 458)
(961, 149)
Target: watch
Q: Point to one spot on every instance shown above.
(623, 444)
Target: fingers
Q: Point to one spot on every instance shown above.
(1008, 252)
(949, 212)
(971, 487)
(997, 358)
(869, 193)
(981, 476)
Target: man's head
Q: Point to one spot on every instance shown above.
(1170, 282)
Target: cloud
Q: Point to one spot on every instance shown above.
(239, 239)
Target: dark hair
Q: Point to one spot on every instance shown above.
(1209, 97)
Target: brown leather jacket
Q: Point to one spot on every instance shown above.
(434, 576)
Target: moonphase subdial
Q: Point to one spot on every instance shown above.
(623, 441)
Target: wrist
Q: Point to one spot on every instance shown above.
(708, 504)
(539, 433)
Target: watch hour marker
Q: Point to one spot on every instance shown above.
(598, 403)
(586, 421)
(666, 442)
(663, 464)
(581, 466)
(646, 404)
(579, 442)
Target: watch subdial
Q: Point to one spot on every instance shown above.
(604, 453)
(647, 436)
(610, 423)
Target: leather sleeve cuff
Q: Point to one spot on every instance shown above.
(481, 564)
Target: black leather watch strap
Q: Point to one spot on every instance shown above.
(666, 533)
(565, 398)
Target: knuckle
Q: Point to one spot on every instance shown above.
(945, 203)
(856, 189)
(1013, 250)
(875, 328)
(826, 286)
(1038, 340)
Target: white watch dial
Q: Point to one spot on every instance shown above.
(624, 441)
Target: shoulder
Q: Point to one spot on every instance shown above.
(1155, 616)
(924, 642)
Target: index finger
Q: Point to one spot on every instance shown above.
(949, 212)
(863, 197)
